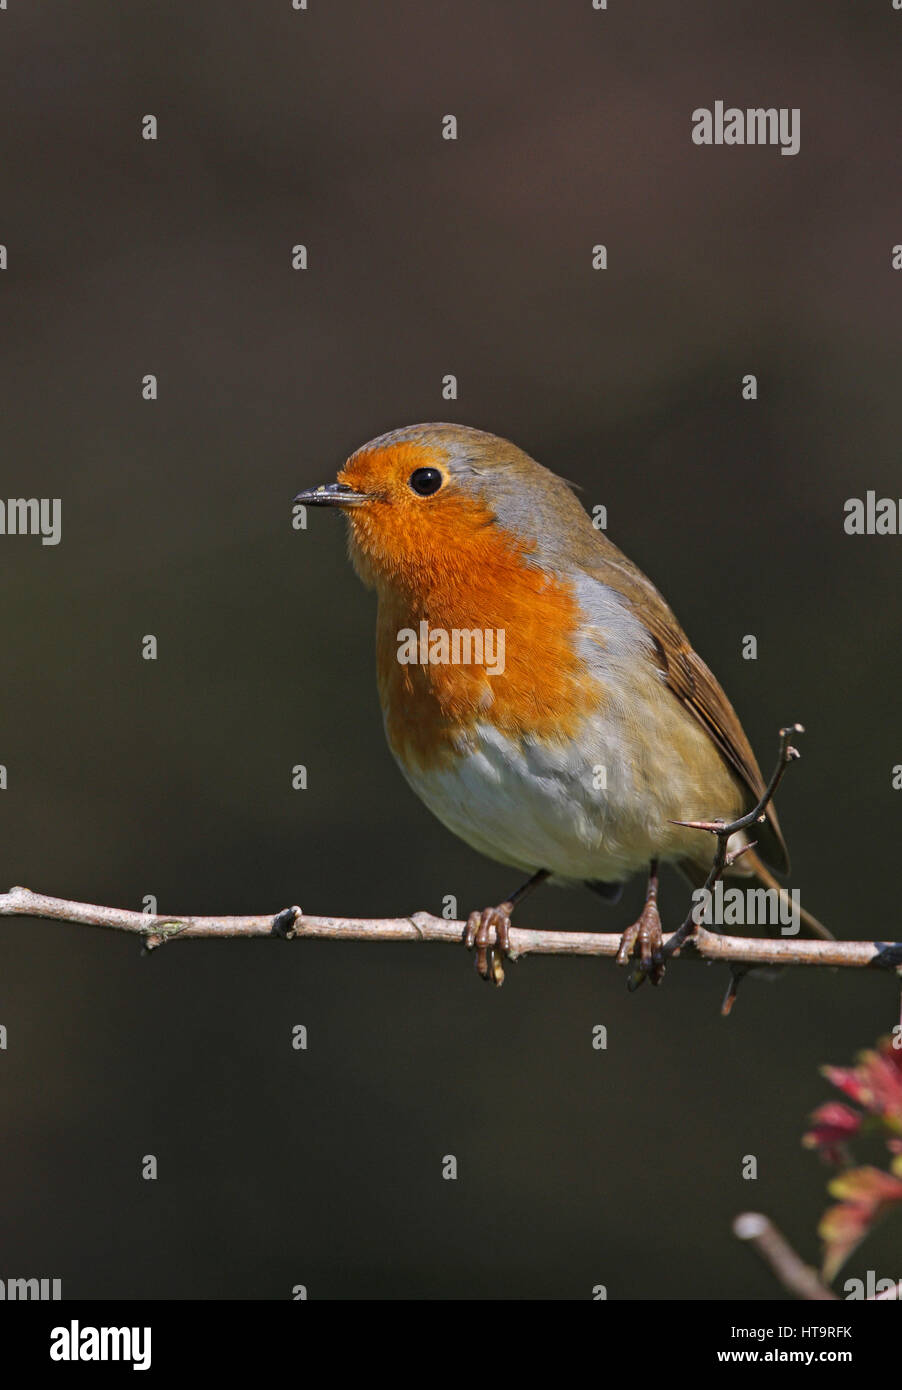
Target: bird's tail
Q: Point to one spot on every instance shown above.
(759, 869)
(750, 865)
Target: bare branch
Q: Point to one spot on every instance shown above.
(422, 926)
(694, 941)
(792, 1272)
(776, 1252)
(724, 830)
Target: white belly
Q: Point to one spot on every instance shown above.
(545, 807)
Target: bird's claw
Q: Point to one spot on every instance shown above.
(643, 941)
(489, 931)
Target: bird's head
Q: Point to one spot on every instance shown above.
(440, 498)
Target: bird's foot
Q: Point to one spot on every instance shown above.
(643, 941)
(489, 931)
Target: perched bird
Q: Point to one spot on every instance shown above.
(537, 691)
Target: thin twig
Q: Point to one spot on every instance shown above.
(776, 1252)
(790, 1269)
(724, 830)
(422, 926)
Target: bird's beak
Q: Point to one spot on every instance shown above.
(333, 495)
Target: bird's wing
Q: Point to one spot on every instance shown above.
(690, 680)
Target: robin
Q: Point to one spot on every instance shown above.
(538, 693)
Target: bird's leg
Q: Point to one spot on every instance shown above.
(646, 935)
(489, 931)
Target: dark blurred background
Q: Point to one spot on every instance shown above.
(126, 778)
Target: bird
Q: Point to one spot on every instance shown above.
(537, 691)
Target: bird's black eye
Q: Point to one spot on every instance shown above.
(425, 481)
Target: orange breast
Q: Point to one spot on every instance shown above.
(480, 581)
